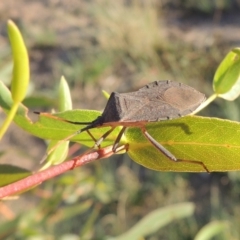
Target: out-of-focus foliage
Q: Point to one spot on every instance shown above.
(109, 197)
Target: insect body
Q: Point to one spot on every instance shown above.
(157, 101)
(160, 100)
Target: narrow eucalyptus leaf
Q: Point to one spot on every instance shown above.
(20, 78)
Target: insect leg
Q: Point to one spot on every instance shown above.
(93, 138)
(98, 142)
(115, 145)
(159, 146)
(167, 153)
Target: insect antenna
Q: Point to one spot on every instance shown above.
(77, 123)
(90, 125)
(62, 119)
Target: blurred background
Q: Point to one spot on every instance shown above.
(117, 46)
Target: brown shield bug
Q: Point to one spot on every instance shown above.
(157, 101)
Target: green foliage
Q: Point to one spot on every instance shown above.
(210, 230)
(217, 147)
(227, 77)
(9, 174)
(184, 137)
(21, 71)
(156, 220)
(65, 101)
(20, 78)
(49, 127)
(60, 153)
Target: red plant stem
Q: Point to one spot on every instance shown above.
(51, 172)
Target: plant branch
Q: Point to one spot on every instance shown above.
(204, 104)
(53, 171)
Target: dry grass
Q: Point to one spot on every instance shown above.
(133, 29)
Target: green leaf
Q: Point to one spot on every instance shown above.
(20, 77)
(10, 174)
(156, 220)
(210, 230)
(59, 150)
(58, 155)
(21, 70)
(53, 129)
(213, 141)
(65, 101)
(226, 81)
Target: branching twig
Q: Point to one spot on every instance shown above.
(51, 172)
